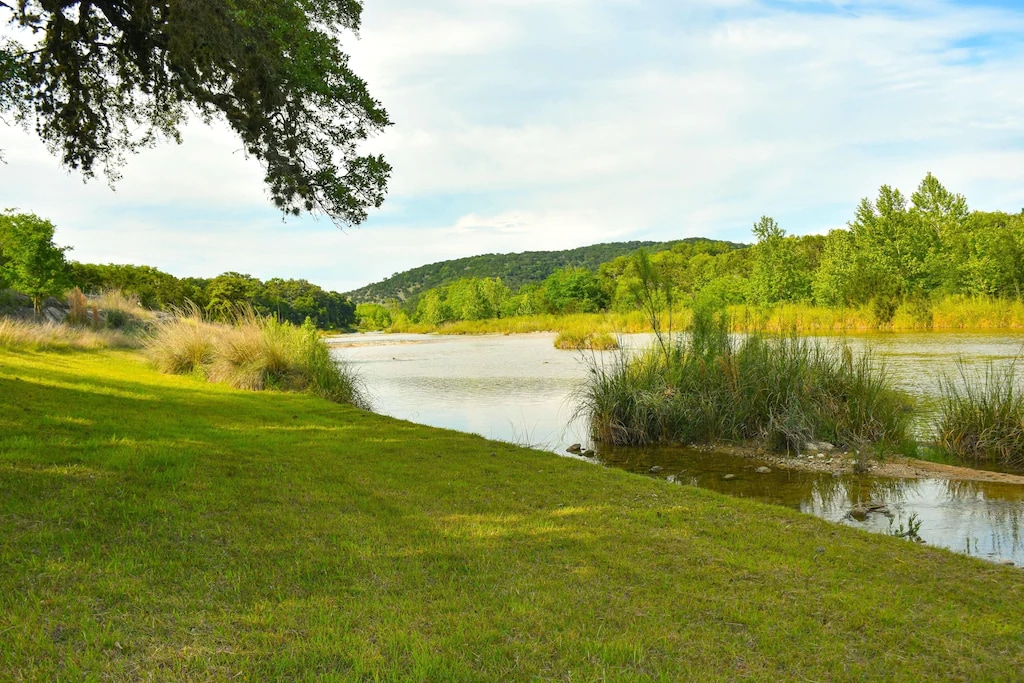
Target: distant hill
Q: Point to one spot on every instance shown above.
(514, 270)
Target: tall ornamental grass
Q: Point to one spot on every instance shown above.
(981, 414)
(254, 353)
(34, 335)
(708, 386)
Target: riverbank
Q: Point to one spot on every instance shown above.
(950, 313)
(160, 527)
(892, 466)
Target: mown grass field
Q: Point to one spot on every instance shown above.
(160, 528)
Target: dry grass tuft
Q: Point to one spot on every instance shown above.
(253, 353)
(29, 335)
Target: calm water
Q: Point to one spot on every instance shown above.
(519, 388)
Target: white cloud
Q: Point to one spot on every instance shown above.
(526, 125)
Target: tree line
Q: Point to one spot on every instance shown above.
(32, 264)
(895, 251)
(514, 270)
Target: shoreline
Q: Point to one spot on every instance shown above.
(894, 466)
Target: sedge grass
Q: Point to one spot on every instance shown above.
(783, 390)
(161, 528)
(981, 414)
(590, 341)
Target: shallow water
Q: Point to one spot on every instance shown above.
(518, 388)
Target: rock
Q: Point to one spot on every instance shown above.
(575, 449)
(587, 453)
(763, 470)
(53, 314)
(656, 469)
(729, 477)
(819, 446)
(1007, 563)
(671, 478)
(859, 513)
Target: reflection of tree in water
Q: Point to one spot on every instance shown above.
(996, 506)
(834, 496)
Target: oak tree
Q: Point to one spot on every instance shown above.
(100, 78)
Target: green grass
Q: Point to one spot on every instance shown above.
(981, 415)
(156, 527)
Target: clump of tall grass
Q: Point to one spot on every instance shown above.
(981, 415)
(708, 386)
(183, 343)
(254, 353)
(120, 311)
(33, 335)
(574, 340)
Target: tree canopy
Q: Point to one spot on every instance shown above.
(29, 260)
(100, 78)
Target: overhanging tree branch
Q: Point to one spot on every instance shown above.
(100, 70)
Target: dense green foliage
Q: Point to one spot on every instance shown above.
(895, 254)
(289, 300)
(29, 260)
(100, 79)
(158, 528)
(515, 270)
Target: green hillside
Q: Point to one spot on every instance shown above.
(514, 270)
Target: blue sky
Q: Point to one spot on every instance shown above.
(529, 124)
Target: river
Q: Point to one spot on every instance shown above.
(518, 388)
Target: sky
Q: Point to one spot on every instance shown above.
(524, 125)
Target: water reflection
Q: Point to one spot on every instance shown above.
(976, 518)
(517, 388)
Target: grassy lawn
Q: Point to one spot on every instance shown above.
(160, 528)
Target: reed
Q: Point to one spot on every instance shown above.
(708, 386)
(612, 322)
(948, 313)
(590, 341)
(981, 414)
